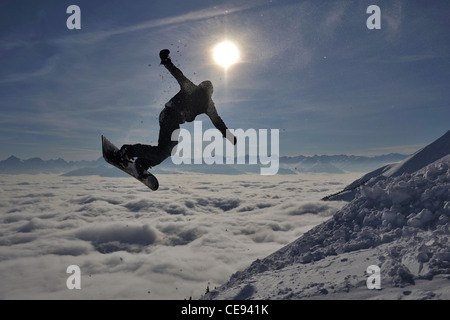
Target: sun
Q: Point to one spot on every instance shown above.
(226, 54)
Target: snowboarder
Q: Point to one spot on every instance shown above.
(191, 101)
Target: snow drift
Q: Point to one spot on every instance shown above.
(399, 222)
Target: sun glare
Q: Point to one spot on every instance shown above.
(226, 54)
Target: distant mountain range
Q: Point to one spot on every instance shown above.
(288, 165)
(14, 165)
(338, 163)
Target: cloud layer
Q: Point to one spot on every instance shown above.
(134, 244)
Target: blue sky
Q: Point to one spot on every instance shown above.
(309, 68)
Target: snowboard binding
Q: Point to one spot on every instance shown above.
(142, 167)
(123, 160)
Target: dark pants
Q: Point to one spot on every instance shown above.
(150, 156)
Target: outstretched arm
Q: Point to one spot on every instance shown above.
(219, 124)
(184, 82)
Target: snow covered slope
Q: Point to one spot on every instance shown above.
(417, 161)
(400, 224)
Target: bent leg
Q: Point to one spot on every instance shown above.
(169, 122)
(150, 156)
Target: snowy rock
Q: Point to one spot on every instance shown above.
(401, 276)
(446, 208)
(422, 219)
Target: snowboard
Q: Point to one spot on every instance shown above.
(110, 154)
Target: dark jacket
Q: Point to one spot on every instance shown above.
(193, 100)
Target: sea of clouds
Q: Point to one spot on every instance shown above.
(131, 243)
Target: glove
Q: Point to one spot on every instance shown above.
(164, 55)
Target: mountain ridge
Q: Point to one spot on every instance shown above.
(418, 160)
(288, 165)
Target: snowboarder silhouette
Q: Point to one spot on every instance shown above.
(191, 101)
